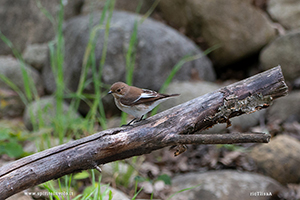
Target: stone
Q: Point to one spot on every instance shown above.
(285, 109)
(150, 169)
(159, 48)
(125, 5)
(283, 51)
(247, 121)
(113, 122)
(110, 170)
(188, 90)
(45, 109)
(286, 12)
(11, 104)
(225, 185)
(31, 22)
(20, 196)
(116, 194)
(239, 27)
(11, 69)
(279, 159)
(36, 55)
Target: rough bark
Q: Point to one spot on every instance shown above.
(179, 125)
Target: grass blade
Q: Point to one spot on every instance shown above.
(29, 87)
(190, 188)
(15, 88)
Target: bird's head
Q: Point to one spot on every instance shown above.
(118, 89)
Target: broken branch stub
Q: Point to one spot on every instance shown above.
(175, 126)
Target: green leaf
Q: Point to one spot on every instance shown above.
(4, 134)
(2, 149)
(110, 195)
(81, 175)
(89, 191)
(140, 179)
(165, 178)
(13, 149)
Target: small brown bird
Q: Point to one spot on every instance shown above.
(136, 101)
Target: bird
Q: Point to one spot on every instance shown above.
(136, 101)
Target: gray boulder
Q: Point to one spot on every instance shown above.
(285, 12)
(188, 90)
(285, 109)
(126, 5)
(240, 28)
(283, 51)
(159, 48)
(36, 55)
(10, 68)
(45, 109)
(24, 23)
(11, 104)
(279, 159)
(116, 194)
(225, 185)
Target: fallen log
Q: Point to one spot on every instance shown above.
(177, 126)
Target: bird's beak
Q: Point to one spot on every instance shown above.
(109, 92)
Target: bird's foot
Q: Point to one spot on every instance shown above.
(129, 124)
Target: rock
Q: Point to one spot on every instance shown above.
(247, 121)
(11, 68)
(36, 55)
(45, 109)
(110, 170)
(188, 90)
(31, 147)
(153, 188)
(113, 122)
(285, 109)
(31, 22)
(224, 185)
(149, 168)
(296, 83)
(117, 194)
(159, 48)
(20, 196)
(126, 5)
(283, 51)
(10, 104)
(285, 12)
(240, 28)
(279, 159)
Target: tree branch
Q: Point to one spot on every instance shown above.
(176, 126)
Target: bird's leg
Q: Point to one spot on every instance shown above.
(129, 124)
(140, 119)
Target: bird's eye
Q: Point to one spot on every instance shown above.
(118, 90)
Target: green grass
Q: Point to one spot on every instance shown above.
(30, 90)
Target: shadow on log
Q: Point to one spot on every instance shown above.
(176, 126)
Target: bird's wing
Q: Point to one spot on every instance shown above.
(147, 97)
(146, 94)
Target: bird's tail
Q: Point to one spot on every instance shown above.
(172, 95)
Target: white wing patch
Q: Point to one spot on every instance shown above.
(146, 94)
